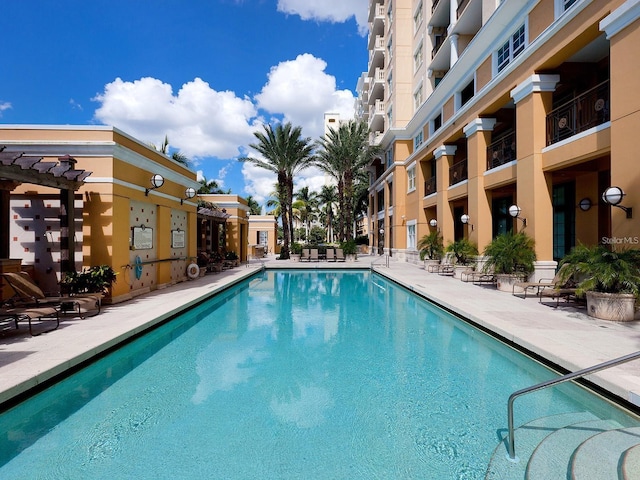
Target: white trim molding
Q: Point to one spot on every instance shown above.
(620, 18)
(479, 125)
(535, 83)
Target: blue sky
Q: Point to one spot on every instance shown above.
(206, 73)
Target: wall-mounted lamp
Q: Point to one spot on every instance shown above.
(433, 222)
(381, 231)
(156, 182)
(613, 196)
(465, 219)
(514, 211)
(584, 204)
(190, 192)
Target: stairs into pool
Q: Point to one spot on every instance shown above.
(576, 446)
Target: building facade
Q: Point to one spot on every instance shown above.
(480, 105)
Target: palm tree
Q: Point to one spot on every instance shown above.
(328, 197)
(208, 186)
(254, 207)
(343, 153)
(284, 153)
(307, 206)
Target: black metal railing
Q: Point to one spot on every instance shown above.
(585, 111)
(430, 186)
(458, 172)
(501, 151)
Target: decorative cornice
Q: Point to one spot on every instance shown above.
(479, 125)
(443, 150)
(620, 18)
(535, 83)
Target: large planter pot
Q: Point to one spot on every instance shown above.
(350, 257)
(458, 269)
(430, 263)
(294, 257)
(505, 283)
(617, 307)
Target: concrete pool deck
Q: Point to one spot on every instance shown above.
(566, 335)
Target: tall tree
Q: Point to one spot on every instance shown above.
(285, 152)
(308, 206)
(254, 207)
(208, 186)
(328, 198)
(342, 154)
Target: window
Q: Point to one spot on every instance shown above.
(390, 12)
(390, 118)
(417, 98)
(417, 18)
(390, 84)
(389, 157)
(390, 48)
(417, 141)
(417, 58)
(566, 4)
(511, 48)
(263, 238)
(411, 235)
(467, 93)
(411, 178)
(436, 123)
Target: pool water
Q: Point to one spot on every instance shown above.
(288, 375)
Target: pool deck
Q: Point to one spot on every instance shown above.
(566, 335)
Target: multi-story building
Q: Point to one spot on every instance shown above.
(481, 105)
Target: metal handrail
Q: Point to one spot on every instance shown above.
(549, 383)
(386, 259)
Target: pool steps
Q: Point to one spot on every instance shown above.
(587, 447)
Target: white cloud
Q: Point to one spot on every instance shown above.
(302, 91)
(336, 11)
(4, 106)
(199, 120)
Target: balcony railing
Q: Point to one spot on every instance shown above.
(501, 151)
(439, 42)
(430, 186)
(458, 172)
(582, 113)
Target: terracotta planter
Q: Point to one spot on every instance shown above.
(505, 283)
(617, 307)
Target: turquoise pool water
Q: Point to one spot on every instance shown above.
(289, 375)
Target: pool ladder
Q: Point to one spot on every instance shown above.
(383, 257)
(550, 383)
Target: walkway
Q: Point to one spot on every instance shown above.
(566, 336)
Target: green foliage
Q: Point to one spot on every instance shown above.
(296, 248)
(602, 270)
(95, 279)
(511, 254)
(317, 235)
(362, 240)
(231, 255)
(431, 246)
(349, 247)
(463, 250)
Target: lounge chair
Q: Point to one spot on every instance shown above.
(314, 255)
(31, 314)
(556, 294)
(446, 263)
(306, 255)
(29, 294)
(543, 284)
(478, 277)
(339, 255)
(331, 255)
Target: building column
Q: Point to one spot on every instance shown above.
(478, 135)
(444, 159)
(163, 237)
(453, 40)
(622, 28)
(533, 99)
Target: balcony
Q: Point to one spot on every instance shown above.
(376, 86)
(376, 116)
(585, 111)
(440, 40)
(430, 186)
(501, 151)
(377, 11)
(458, 172)
(376, 55)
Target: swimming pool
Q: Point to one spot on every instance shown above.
(321, 374)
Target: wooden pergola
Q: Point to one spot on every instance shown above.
(17, 168)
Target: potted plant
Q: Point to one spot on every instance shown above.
(609, 279)
(464, 252)
(231, 258)
(511, 258)
(350, 250)
(97, 279)
(296, 252)
(431, 248)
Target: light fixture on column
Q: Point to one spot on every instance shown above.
(584, 204)
(514, 211)
(157, 181)
(433, 222)
(466, 219)
(613, 196)
(189, 193)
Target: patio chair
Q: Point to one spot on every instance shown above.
(31, 314)
(331, 255)
(446, 264)
(29, 294)
(568, 294)
(306, 255)
(339, 255)
(542, 284)
(478, 277)
(314, 255)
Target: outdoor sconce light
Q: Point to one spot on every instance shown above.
(585, 204)
(613, 196)
(514, 211)
(188, 193)
(433, 222)
(382, 231)
(465, 219)
(156, 182)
